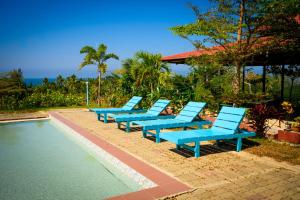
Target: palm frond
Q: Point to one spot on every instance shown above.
(87, 49)
(109, 56)
(85, 63)
(101, 51)
(128, 63)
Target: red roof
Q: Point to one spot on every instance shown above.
(178, 58)
(181, 57)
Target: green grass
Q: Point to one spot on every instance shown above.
(278, 151)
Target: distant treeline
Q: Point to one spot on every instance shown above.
(15, 94)
(147, 76)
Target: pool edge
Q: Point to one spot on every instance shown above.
(166, 185)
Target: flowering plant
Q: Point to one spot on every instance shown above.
(288, 107)
(259, 115)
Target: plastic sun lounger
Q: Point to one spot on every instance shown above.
(153, 113)
(184, 119)
(127, 108)
(225, 127)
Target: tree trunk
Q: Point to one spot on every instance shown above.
(236, 84)
(237, 81)
(99, 88)
(239, 36)
(238, 71)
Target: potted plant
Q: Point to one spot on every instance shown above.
(287, 135)
(296, 124)
(288, 108)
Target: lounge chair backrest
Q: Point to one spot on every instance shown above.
(132, 103)
(190, 111)
(159, 106)
(229, 119)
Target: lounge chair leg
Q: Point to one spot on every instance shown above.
(99, 117)
(197, 149)
(144, 133)
(119, 125)
(199, 126)
(217, 142)
(157, 136)
(177, 146)
(128, 127)
(239, 144)
(105, 117)
(184, 128)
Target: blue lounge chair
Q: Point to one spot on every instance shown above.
(127, 108)
(152, 113)
(184, 119)
(225, 127)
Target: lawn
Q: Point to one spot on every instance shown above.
(278, 151)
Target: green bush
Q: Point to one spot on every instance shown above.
(52, 99)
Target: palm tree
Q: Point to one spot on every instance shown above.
(59, 81)
(71, 83)
(97, 57)
(149, 69)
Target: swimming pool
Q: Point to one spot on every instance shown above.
(47, 160)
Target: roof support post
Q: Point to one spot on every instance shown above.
(282, 82)
(264, 79)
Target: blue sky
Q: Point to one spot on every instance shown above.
(44, 38)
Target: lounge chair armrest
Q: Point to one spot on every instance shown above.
(127, 112)
(166, 117)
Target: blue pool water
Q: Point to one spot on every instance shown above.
(39, 161)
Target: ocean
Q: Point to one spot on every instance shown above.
(36, 81)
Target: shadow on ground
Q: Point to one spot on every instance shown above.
(208, 149)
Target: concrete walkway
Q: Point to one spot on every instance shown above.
(23, 116)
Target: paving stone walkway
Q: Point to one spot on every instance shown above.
(23, 116)
(218, 174)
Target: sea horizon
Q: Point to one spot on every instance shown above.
(39, 81)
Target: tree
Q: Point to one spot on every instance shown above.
(240, 29)
(126, 78)
(59, 81)
(145, 75)
(147, 70)
(97, 57)
(45, 81)
(17, 75)
(12, 89)
(281, 19)
(72, 84)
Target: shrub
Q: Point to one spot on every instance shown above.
(259, 115)
(52, 99)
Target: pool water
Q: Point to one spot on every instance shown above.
(39, 161)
